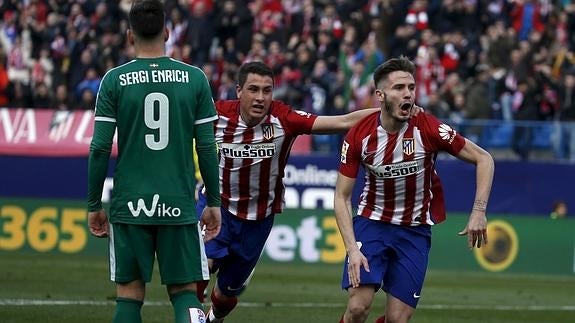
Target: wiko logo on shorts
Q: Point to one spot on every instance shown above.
(158, 209)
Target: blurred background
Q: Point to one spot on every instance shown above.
(501, 71)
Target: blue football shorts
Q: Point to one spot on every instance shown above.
(236, 249)
(397, 257)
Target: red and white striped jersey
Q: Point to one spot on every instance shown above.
(253, 159)
(400, 177)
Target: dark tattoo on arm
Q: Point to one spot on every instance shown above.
(480, 205)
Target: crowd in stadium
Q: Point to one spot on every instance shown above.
(476, 59)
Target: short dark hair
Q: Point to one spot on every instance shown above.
(147, 18)
(258, 68)
(401, 63)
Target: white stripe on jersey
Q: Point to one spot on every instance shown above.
(105, 119)
(210, 119)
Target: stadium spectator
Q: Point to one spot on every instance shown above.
(463, 34)
(86, 100)
(437, 106)
(200, 33)
(90, 82)
(477, 104)
(62, 101)
(41, 96)
(18, 60)
(19, 95)
(252, 188)
(525, 108)
(527, 16)
(564, 137)
(169, 230)
(4, 81)
(389, 240)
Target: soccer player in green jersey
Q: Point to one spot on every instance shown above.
(158, 106)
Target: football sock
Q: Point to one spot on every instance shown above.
(127, 311)
(341, 319)
(221, 308)
(211, 318)
(380, 319)
(187, 307)
(201, 290)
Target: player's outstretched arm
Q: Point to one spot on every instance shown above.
(340, 123)
(476, 229)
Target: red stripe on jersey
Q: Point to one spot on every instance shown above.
(410, 183)
(226, 173)
(389, 185)
(428, 166)
(277, 204)
(264, 191)
(244, 179)
(371, 182)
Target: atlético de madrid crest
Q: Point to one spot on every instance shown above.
(268, 131)
(408, 146)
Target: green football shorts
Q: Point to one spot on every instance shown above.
(179, 249)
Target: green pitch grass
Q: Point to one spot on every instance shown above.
(71, 288)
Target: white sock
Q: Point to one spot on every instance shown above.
(212, 318)
(196, 315)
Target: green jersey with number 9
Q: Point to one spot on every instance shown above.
(155, 103)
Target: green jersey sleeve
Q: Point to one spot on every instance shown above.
(101, 146)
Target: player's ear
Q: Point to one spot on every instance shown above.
(380, 95)
(130, 36)
(166, 34)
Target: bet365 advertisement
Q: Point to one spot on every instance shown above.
(43, 188)
(516, 244)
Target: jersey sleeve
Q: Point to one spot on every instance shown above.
(208, 162)
(439, 135)
(350, 158)
(105, 100)
(207, 109)
(101, 145)
(298, 122)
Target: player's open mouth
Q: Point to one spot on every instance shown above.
(406, 106)
(258, 107)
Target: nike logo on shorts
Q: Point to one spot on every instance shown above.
(416, 296)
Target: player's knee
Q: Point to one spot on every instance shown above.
(359, 310)
(397, 316)
(132, 290)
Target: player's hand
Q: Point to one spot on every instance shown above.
(98, 223)
(476, 229)
(356, 259)
(415, 110)
(211, 222)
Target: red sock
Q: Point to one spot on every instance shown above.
(341, 319)
(220, 307)
(380, 319)
(201, 289)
